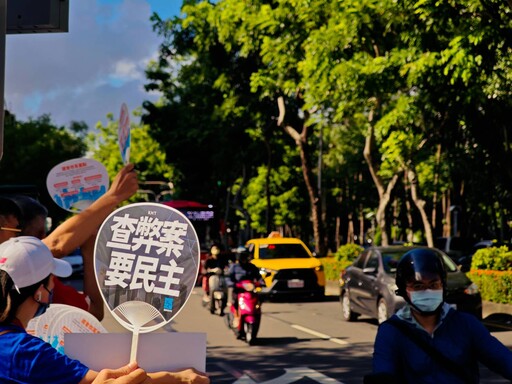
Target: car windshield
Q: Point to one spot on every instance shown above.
(390, 260)
(283, 251)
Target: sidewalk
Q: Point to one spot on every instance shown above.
(488, 307)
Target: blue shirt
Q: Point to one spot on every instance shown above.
(27, 359)
(459, 336)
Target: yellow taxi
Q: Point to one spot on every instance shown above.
(287, 266)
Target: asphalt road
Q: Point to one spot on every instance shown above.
(299, 342)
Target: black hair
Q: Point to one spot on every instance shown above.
(8, 207)
(11, 299)
(30, 208)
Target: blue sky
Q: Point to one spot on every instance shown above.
(90, 71)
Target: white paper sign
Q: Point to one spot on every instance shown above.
(168, 351)
(75, 184)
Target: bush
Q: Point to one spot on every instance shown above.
(491, 271)
(337, 262)
(495, 286)
(493, 258)
(332, 268)
(348, 252)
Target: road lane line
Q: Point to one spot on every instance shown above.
(318, 334)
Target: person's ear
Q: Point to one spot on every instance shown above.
(38, 296)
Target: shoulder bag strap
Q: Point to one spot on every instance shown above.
(444, 361)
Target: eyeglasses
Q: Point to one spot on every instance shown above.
(420, 286)
(17, 230)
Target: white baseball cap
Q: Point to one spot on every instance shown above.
(28, 261)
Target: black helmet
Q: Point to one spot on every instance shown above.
(418, 264)
(242, 254)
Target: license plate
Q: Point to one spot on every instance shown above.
(295, 283)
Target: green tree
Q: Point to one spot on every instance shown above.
(146, 153)
(32, 148)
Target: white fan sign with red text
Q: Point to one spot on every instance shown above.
(75, 184)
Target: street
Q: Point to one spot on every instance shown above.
(299, 342)
(295, 340)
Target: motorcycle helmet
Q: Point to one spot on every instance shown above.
(242, 254)
(418, 264)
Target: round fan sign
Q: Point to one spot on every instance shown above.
(146, 260)
(123, 134)
(60, 319)
(75, 184)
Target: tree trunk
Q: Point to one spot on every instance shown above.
(420, 204)
(315, 203)
(408, 213)
(361, 225)
(384, 191)
(268, 211)
(350, 229)
(447, 227)
(436, 186)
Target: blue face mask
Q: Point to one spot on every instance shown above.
(44, 306)
(428, 300)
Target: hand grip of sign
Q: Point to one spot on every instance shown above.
(135, 345)
(138, 313)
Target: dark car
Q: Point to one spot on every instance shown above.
(367, 287)
(456, 247)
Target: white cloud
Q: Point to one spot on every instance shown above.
(85, 73)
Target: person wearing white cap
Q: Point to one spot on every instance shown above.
(27, 268)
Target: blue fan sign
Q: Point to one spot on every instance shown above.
(146, 261)
(123, 134)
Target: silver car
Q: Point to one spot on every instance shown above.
(367, 287)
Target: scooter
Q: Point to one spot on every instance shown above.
(216, 300)
(249, 307)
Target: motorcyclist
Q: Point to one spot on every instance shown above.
(242, 269)
(210, 265)
(427, 341)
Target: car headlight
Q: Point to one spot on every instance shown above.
(266, 272)
(471, 289)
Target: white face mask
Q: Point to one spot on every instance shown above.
(427, 300)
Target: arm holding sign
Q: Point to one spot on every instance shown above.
(129, 374)
(76, 230)
(80, 231)
(186, 376)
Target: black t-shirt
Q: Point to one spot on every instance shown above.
(212, 263)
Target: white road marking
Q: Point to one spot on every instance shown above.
(291, 376)
(229, 369)
(318, 334)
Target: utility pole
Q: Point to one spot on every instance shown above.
(3, 29)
